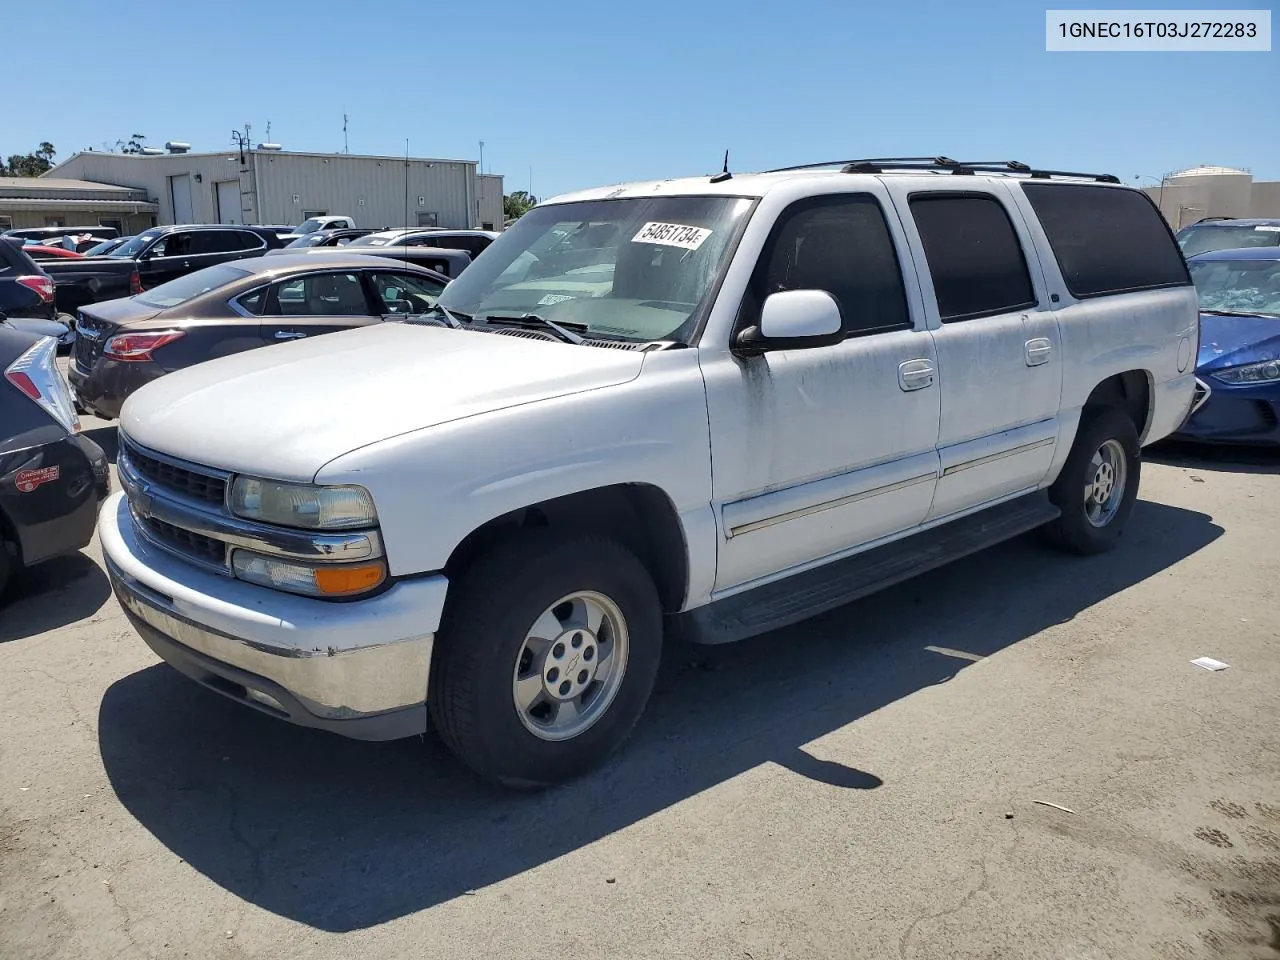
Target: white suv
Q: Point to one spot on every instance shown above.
(709, 407)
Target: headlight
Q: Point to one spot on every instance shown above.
(1265, 372)
(318, 580)
(302, 504)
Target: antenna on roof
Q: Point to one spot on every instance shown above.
(724, 174)
(346, 147)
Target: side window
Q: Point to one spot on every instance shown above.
(213, 241)
(244, 240)
(974, 255)
(1106, 239)
(254, 302)
(840, 244)
(406, 293)
(322, 295)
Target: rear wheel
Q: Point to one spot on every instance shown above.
(1098, 484)
(546, 657)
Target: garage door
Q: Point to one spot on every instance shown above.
(180, 190)
(229, 201)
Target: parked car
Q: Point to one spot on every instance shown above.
(1226, 233)
(323, 222)
(1239, 359)
(279, 229)
(231, 307)
(38, 251)
(53, 233)
(450, 263)
(710, 406)
(51, 478)
(27, 295)
(474, 242)
(327, 238)
(152, 258)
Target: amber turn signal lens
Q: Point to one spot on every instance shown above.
(337, 581)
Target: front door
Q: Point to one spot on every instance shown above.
(316, 303)
(818, 451)
(167, 259)
(999, 356)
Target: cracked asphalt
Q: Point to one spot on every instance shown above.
(863, 785)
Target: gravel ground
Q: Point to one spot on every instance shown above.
(862, 785)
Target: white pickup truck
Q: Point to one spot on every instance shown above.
(707, 407)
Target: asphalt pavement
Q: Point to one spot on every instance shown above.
(1009, 757)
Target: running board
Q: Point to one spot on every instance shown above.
(804, 595)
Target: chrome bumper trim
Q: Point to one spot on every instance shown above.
(331, 684)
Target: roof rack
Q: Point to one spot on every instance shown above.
(947, 165)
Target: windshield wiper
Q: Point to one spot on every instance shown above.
(568, 336)
(452, 320)
(1238, 313)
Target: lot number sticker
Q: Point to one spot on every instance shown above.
(672, 235)
(27, 480)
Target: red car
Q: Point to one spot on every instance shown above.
(39, 252)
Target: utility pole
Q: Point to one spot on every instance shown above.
(482, 156)
(346, 147)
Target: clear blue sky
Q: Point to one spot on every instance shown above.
(588, 93)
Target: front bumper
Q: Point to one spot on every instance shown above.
(359, 669)
(1245, 415)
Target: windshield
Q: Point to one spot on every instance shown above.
(373, 240)
(634, 269)
(1204, 237)
(133, 246)
(105, 247)
(311, 240)
(192, 285)
(309, 226)
(1238, 286)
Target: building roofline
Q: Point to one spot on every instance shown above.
(234, 152)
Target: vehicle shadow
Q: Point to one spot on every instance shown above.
(342, 835)
(106, 438)
(1221, 459)
(52, 594)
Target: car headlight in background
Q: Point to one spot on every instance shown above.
(1267, 371)
(302, 504)
(312, 580)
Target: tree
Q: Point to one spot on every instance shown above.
(30, 164)
(515, 205)
(133, 145)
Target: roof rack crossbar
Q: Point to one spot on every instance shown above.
(946, 164)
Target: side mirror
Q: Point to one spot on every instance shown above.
(793, 320)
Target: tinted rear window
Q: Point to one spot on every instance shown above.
(974, 255)
(1106, 240)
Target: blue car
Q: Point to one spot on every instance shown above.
(1239, 361)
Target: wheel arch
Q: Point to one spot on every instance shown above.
(639, 515)
(1130, 391)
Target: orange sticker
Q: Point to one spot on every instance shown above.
(28, 480)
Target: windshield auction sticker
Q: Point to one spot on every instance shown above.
(1157, 30)
(672, 235)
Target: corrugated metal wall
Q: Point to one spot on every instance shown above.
(370, 189)
(373, 190)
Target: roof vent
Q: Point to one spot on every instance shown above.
(151, 152)
(177, 146)
(275, 147)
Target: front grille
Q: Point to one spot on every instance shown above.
(185, 542)
(189, 483)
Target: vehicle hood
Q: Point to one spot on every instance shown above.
(1231, 341)
(286, 410)
(121, 311)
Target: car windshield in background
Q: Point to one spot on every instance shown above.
(311, 240)
(309, 226)
(371, 240)
(1238, 286)
(1204, 237)
(105, 247)
(192, 285)
(133, 246)
(630, 269)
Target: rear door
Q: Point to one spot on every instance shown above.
(998, 345)
(310, 304)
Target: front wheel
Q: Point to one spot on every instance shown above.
(546, 657)
(1098, 484)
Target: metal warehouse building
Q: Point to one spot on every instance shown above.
(60, 202)
(279, 187)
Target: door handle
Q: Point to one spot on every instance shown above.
(1038, 350)
(916, 374)
(289, 334)
(186, 264)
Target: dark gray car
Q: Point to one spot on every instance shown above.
(123, 344)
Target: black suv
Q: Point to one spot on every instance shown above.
(165, 253)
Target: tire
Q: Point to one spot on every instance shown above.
(486, 645)
(1087, 526)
